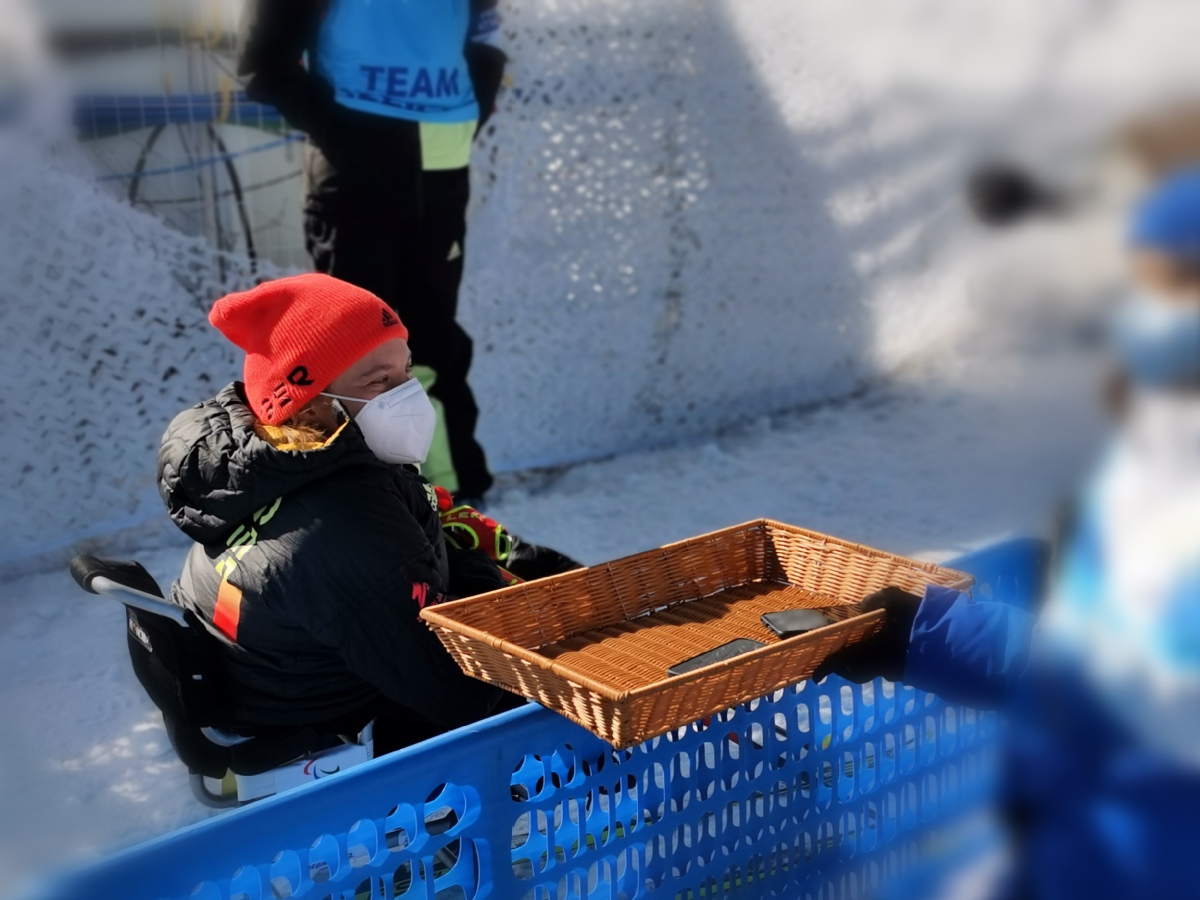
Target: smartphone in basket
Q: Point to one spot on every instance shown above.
(791, 622)
(715, 655)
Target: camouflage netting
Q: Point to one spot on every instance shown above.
(103, 311)
(687, 213)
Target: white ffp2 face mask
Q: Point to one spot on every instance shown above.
(398, 424)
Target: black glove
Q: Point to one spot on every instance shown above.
(530, 562)
(882, 655)
(1000, 194)
(472, 572)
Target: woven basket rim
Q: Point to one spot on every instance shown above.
(441, 617)
(436, 615)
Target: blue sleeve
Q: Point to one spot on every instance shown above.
(968, 651)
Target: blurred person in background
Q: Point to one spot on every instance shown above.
(1102, 777)
(391, 96)
(317, 540)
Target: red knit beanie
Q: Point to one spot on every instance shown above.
(299, 334)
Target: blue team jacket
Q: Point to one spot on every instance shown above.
(400, 58)
(1102, 815)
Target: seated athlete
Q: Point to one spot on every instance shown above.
(317, 540)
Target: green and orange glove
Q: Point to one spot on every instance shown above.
(468, 529)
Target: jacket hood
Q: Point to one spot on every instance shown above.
(214, 471)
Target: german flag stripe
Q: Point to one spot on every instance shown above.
(228, 610)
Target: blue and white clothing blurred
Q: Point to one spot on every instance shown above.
(1102, 693)
(1128, 601)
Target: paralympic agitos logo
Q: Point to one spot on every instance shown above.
(316, 773)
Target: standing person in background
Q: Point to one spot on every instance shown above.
(391, 96)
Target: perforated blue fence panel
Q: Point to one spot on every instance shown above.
(817, 791)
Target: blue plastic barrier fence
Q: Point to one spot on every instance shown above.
(817, 791)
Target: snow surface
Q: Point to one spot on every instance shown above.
(950, 388)
(930, 468)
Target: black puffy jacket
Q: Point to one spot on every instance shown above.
(310, 569)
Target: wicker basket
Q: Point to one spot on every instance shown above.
(595, 644)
